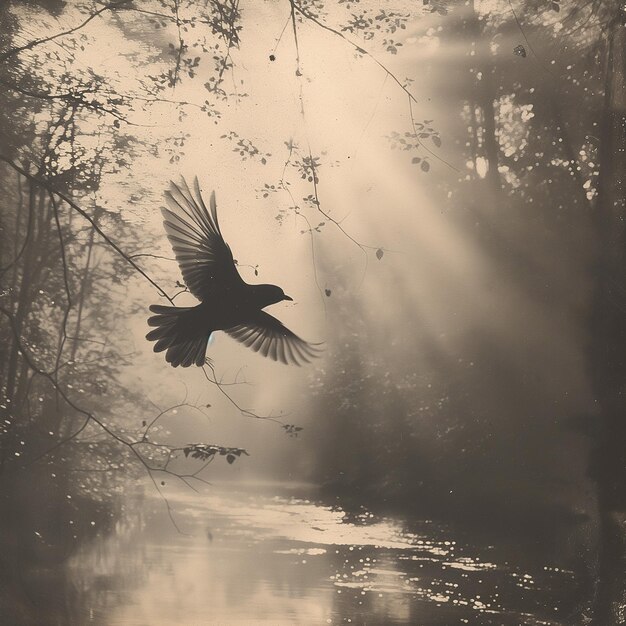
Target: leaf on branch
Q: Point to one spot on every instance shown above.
(292, 430)
(206, 452)
(520, 51)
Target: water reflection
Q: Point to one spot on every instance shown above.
(254, 558)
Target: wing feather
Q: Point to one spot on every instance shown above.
(205, 259)
(267, 335)
(281, 352)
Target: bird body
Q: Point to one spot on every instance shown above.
(226, 302)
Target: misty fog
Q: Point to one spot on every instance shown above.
(438, 186)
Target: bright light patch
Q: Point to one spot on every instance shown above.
(482, 167)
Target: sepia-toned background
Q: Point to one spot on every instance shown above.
(438, 186)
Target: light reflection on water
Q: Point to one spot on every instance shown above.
(250, 558)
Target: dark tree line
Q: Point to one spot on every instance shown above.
(539, 115)
(72, 431)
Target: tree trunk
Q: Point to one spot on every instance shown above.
(485, 96)
(22, 303)
(83, 290)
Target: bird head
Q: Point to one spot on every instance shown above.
(271, 294)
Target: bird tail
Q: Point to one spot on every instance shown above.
(173, 332)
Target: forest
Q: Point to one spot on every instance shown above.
(439, 184)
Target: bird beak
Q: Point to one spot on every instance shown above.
(288, 298)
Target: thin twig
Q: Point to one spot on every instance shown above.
(358, 48)
(364, 52)
(165, 411)
(301, 215)
(423, 145)
(316, 201)
(246, 412)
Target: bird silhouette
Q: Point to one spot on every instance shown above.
(226, 302)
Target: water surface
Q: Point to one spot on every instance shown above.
(248, 556)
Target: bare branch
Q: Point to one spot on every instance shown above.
(165, 411)
(148, 254)
(246, 412)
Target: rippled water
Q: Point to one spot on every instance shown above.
(253, 558)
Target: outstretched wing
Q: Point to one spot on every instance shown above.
(204, 257)
(265, 334)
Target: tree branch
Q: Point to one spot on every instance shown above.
(358, 48)
(36, 42)
(246, 412)
(50, 188)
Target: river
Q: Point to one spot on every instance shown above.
(258, 554)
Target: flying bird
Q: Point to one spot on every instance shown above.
(226, 302)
